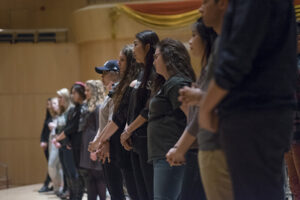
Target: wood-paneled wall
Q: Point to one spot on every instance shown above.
(29, 74)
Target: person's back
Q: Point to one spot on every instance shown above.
(266, 59)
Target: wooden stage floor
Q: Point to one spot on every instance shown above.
(29, 192)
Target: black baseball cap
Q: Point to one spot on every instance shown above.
(111, 65)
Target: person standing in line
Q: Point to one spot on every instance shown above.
(110, 72)
(71, 152)
(54, 165)
(292, 158)
(135, 134)
(64, 102)
(201, 45)
(89, 125)
(253, 92)
(44, 145)
(212, 161)
(167, 116)
(110, 135)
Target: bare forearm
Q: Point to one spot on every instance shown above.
(213, 97)
(61, 136)
(109, 130)
(185, 142)
(99, 134)
(139, 121)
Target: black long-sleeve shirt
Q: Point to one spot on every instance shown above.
(120, 116)
(46, 131)
(257, 55)
(71, 129)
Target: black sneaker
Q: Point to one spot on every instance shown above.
(65, 195)
(44, 189)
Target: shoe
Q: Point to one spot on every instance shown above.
(50, 189)
(64, 195)
(44, 189)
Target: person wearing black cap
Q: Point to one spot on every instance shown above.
(112, 172)
(71, 161)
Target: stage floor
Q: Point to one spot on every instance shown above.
(29, 192)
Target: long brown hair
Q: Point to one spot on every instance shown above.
(176, 59)
(130, 74)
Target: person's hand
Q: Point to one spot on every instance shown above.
(52, 125)
(104, 153)
(175, 157)
(56, 143)
(94, 146)
(125, 136)
(126, 141)
(208, 120)
(93, 156)
(44, 145)
(127, 144)
(190, 95)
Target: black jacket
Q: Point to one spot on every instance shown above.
(71, 128)
(257, 55)
(46, 131)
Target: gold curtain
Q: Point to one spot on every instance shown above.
(162, 21)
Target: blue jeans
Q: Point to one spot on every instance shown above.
(167, 180)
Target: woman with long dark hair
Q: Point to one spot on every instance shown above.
(201, 44)
(119, 168)
(44, 144)
(135, 134)
(167, 116)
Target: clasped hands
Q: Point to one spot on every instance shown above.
(207, 120)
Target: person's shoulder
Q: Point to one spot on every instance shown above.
(178, 80)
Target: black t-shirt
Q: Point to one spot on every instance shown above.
(166, 120)
(138, 104)
(119, 118)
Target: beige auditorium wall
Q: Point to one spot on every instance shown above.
(93, 28)
(36, 14)
(29, 74)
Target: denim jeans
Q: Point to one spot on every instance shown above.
(167, 180)
(142, 170)
(192, 187)
(75, 182)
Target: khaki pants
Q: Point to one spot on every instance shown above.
(215, 175)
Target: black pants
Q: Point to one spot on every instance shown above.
(74, 180)
(254, 143)
(95, 183)
(192, 188)
(60, 154)
(115, 177)
(48, 179)
(143, 171)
